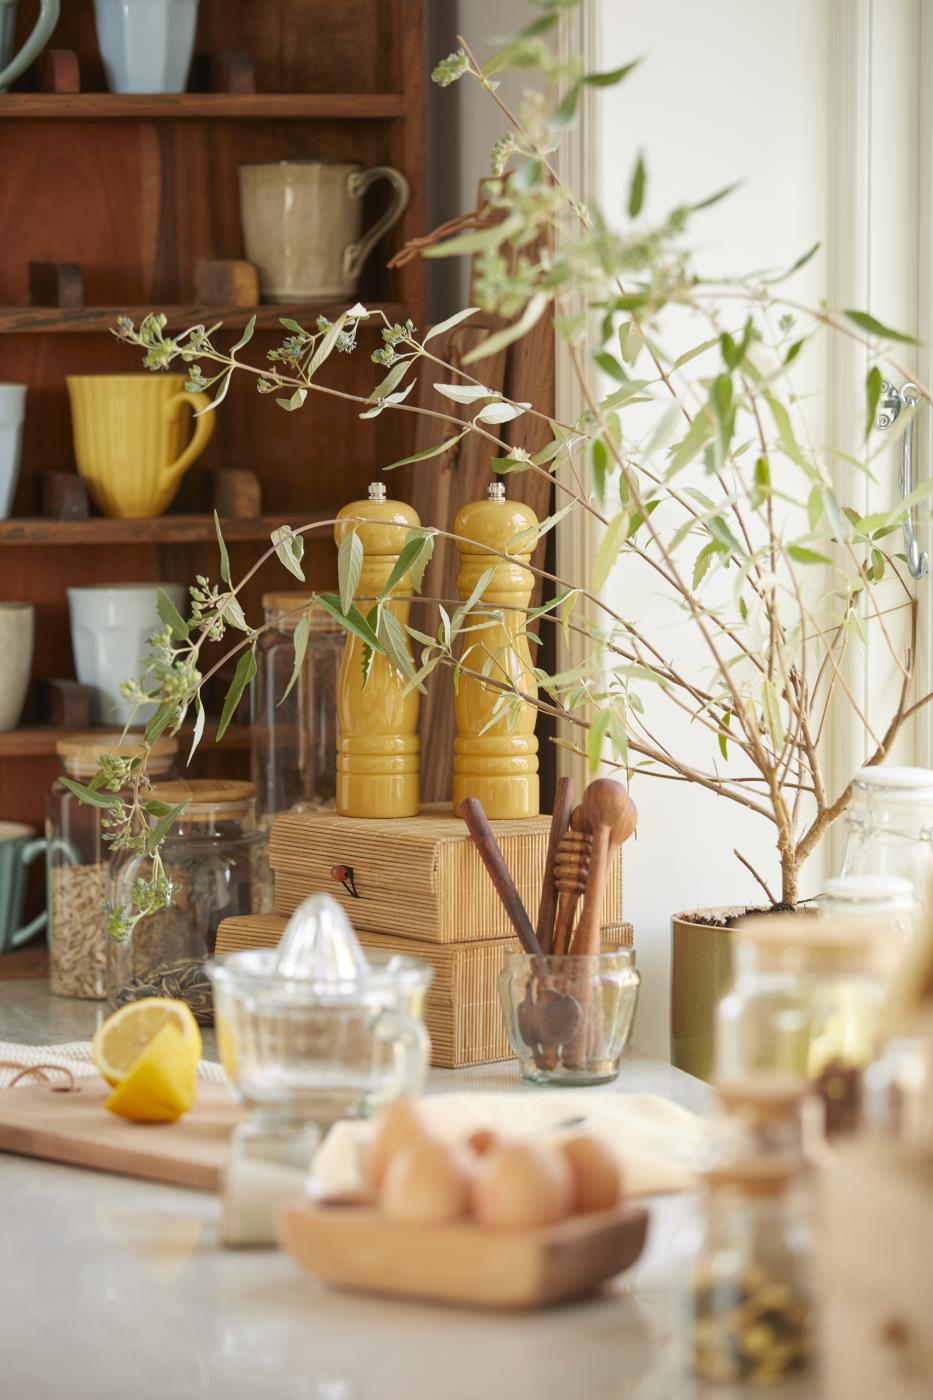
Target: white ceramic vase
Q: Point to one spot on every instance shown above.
(110, 629)
(12, 413)
(146, 45)
(17, 628)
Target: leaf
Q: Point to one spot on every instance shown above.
(289, 549)
(453, 625)
(636, 192)
(399, 397)
(467, 393)
(611, 76)
(868, 323)
(391, 634)
(504, 465)
(723, 747)
(353, 620)
(762, 487)
(449, 324)
(295, 402)
(326, 344)
(698, 434)
(300, 643)
(874, 383)
(477, 240)
(609, 546)
(802, 555)
(703, 560)
(501, 412)
(771, 708)
(413, 560)
(349, 567)
(428, 452)
(392, 380)
(224, 556)
(531, 315)
(234, 615)
(199, 718)
(610, 365)
(88, 795)
(720, 531)
(631, 341)
(814, 507)
(292, 326)
(594, 739)
(786, 433)
(244, 673)
(159, 832)
(599, 465)
(159, 722)
(171, 616)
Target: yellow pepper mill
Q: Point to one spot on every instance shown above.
(496, 762)
(377, 744)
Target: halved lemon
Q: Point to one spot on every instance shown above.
(161, 1086)
(124, 1036)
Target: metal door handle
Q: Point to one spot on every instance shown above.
(891, 402)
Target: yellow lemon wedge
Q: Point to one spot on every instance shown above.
(123, 1037)
(160, 1087)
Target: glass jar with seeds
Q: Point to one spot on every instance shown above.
(209, 863)
(749, 1303)
(807, 1000)
(78, 858)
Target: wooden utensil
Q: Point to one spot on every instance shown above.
(560, 822)
(472, 813)
(570, 878)
(357, 1247)
(610, 814)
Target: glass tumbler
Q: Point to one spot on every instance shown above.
(569, 1017)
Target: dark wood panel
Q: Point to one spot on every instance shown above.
(185, 106)
(161, 529)
(100, 320)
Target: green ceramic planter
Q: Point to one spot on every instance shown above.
(701, 972)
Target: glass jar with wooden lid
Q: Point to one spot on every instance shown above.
(807, 999)
(294, 739)
(78, 858)
(747, 1267)
(209, 862)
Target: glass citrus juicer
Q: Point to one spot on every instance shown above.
(309, 1032)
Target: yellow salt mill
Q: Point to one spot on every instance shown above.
(496, 762)
(377, 744)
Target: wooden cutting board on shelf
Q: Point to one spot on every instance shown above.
(76, 1129)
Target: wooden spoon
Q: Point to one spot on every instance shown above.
(611, 815)
(483, 838)
(560, 821)
(571, 881)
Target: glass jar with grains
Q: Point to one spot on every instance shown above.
(208, 859)
(78, 858)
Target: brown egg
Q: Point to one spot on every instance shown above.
(427, 1183)
(400, 1125)
(596, 1174)
(484, 1140)
(521, 1185)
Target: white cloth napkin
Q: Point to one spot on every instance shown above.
(75, 1056)
(660, 1146)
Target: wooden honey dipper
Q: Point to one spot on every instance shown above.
(571, 868)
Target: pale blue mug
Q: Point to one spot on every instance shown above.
(11, 68)
(19, 846)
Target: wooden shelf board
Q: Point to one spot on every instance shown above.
(39, 320)
(183, 106)
(40, 742)
(162, 529)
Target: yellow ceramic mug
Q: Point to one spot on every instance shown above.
(129, 436)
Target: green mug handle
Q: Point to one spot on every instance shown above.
(49, 11)
(23, 935)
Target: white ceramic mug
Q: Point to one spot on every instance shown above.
(12, 413)
(17, 628)
(110, 629)
(303, 225)
(146, 45)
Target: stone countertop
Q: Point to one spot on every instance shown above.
(114, 1289)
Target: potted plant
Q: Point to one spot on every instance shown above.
(694, 467)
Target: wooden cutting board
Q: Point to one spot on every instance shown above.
(75, 1128)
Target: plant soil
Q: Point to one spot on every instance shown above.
(710, 920)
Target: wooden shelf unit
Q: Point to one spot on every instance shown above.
(136, 191)
(41, 740)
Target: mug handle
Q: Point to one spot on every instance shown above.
(358, 182)
(410, 1046)
(203, 429)
(49, 11)
(23, 935)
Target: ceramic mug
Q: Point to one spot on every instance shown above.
(19, 846)
(12, 68)
(17, 629)
(12, 413)
(146, 45)
(110, 629)
(303, 225)
(129, 438)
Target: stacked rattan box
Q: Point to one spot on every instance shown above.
(416, 886)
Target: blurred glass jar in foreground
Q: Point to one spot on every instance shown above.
(888, 901)
(747, 1272)
(78, 859)
(807, 999)
(569, 1017)
(209, 862)
(890, 826)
